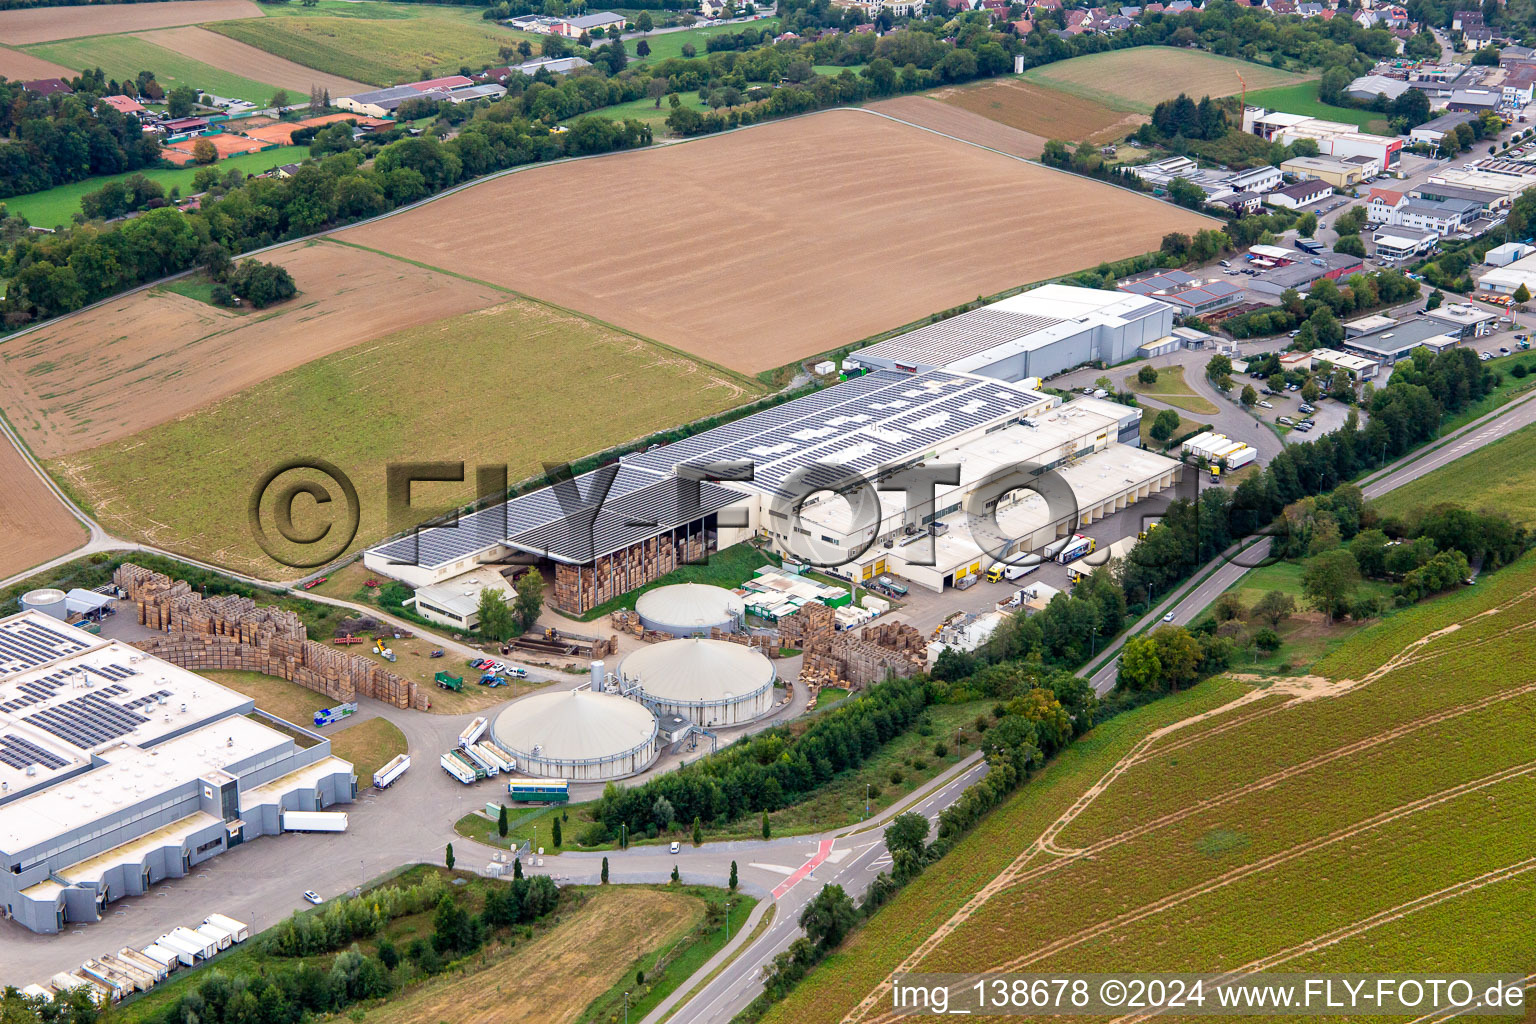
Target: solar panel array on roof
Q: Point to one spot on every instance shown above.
(26, 643)
(17, 752)
(830, 438)
(87, 720)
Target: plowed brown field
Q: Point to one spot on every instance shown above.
(764, 246)
(34, 527)
(248, 61)
(40, 24)
(1043, 111)
(15, 64)
(155, 355)
(962, 124)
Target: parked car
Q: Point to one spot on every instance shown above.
(674, 847)
(1485, 356)
(1503, 351)
(1304, 407)
(1293, 387)
(1286, 421)
(1265, 405)
(1304, 426)
(313, 897)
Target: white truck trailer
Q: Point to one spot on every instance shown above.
(484, 763)
(150, 965)
(1198, 440)
(218, 936)
(238, 931)
(472, 732)
(202, 945)
(65, 982)
(458, 769)
(167, 956)
(391, 771)
(1242, 457)
(314, 821)
(37, 992)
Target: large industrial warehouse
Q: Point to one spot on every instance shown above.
(690, 609)
(579, 735)
(613, 530)
(712, 683)
(118, 770)
(1036, 333)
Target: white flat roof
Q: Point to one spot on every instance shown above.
(1022, 323)
(130, 775)
(1521, 271)
(91, 694)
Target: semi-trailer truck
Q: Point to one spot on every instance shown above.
(1076, 548)
(239, 931)
(458, 769)
(314, 821)
(391, 771)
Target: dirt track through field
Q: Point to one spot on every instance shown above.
(34, 526)
(760, 247)
(41, 24)
(258, 65)
(15, 64)
(962, 124)
(553, 979)
(154, 356)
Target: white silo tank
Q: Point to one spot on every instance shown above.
(46, 600)
(599, 673)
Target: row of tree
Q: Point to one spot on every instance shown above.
(771, 769)
(60, 138)
(57, 273)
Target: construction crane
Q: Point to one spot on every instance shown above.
(1244, 82)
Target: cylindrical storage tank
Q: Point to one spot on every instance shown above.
(690, 609)
(599, 676)
(46, 600)
(578, 735)
(711, 683)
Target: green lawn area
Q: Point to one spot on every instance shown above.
(368, 745)
(670, 44)
(1301, 98)
(836, 69)
(1304, 637)
(289, 701)
(1508, 389)
(1171, 389)
(55, 207)
(1501, 475)
(645, 109)
(1149, 416)
(125, 56)
(376, 42)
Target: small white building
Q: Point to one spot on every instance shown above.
(1506, 280)
(1395, 243)
(1504, 255)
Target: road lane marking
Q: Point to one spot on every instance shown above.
(779, 869)
(822, 850)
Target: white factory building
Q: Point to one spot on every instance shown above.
(712, 683)
(581, 735)
(1333, 138)
(119, 770)
(951, 393)
(1036, 333)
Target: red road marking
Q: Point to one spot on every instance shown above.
(822, 849)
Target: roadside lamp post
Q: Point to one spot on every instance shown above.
(626, 1008)
(866, 800)
(727, 921)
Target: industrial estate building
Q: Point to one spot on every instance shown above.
(958, 391)
(1333, 138)
(118, 770)
(711, 683)
(583, 735)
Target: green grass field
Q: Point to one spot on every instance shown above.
(491, 387)
(1141, 77)
(368, 745)
(124, 56)
(645, 109)
(55, 207)
(1501, 476)
(1301, 98)
(1171, 388)
(670, 44)
(1375, 805)
(376, 42)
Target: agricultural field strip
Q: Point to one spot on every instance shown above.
(1045, 843)
(1094, 888)
(1041, 845)
(1217, 729)
(1230, 767)
(1277, 777)
(1354, 928)
(1333, 884)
